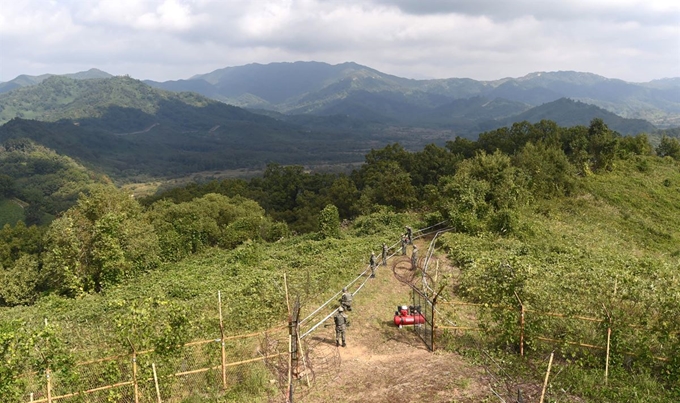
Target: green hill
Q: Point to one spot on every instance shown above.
(567, 112)
(574, 222)
(26, 80)
(128, 129)
(39, 183)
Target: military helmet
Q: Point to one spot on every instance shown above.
(341, 309)
(344, 289)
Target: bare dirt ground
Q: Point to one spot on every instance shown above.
(382, 363)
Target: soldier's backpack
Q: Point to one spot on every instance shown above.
(339, 320)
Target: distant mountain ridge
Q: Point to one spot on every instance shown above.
(355, 90)
(313, 87)
(130, 130)
(26, 80)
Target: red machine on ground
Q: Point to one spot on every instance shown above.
(408, 315)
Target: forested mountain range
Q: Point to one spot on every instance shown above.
(361, 92)
(126, 128)
(320, 88)
(129, 130)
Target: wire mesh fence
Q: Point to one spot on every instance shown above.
(197, 369)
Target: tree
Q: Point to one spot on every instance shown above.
(602, 145)
(211, 220)
(344, 194)
(329, 222)
(102, 239)
(636, 145)
(6, 186)
(669, 147)
(548, 170)
(483, 193)
(390, 184)
(18, 285)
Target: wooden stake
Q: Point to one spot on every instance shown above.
(49, 382)
(290, 367)
(521, 325)
(224, 353)
(31, 397)
(285, 285)
(606, 365)
(521, 331)
(155, 381)
(134, 376)
(547, 374)
(134, 370)
(609, 335)
(290, 341)
(304, 362)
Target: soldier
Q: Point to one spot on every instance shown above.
(346, 300)
(373, 264)
(384, 254)
(403, 245)
(409, 234)
(341, 323)
(414, 257)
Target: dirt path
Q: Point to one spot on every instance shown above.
(382, 363)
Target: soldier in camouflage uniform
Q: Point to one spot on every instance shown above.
(341, 323)
(373, 264)
(414, 257)
(403, 245)
(384, 255)
(346, 300)
(409, 234)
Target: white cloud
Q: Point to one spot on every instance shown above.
(482, 39)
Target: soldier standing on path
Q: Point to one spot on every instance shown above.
(346, 300)
(414, 257)
(373, 264)
(341, 323)
(403, 245)
(409, 234)
(384, 254)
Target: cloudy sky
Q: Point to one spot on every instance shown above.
(480, 39)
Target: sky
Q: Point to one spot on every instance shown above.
(163, 40)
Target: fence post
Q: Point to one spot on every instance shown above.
(224, 353)
(49, 385)
(434, 302)
(521, 326)
(155, 381)
(134, 371)
(609, 335)
(547, 374)
(289, 390)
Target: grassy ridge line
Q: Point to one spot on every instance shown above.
(622, 234)
(250, 278)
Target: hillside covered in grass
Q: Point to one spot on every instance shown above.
(578, 221)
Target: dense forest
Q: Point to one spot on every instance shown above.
(581, 200)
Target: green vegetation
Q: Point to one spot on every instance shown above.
(561, 217)
(612, 250)
(41, 181)
(11, 212)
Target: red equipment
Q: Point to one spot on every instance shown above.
(408, 315)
